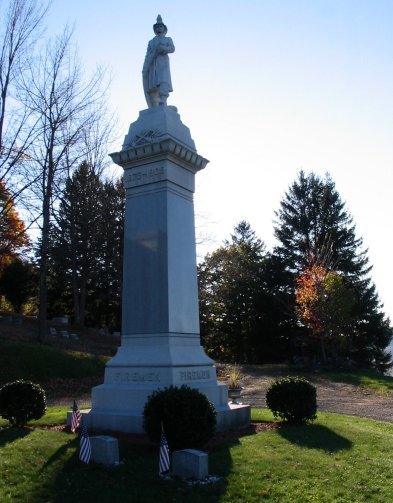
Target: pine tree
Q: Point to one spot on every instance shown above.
(237, 310)
(86, 250)
(314, 229)
(74, 241)
(106, 301)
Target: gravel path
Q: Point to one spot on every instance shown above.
(331, 397)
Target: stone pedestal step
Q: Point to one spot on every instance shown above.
(229, 417)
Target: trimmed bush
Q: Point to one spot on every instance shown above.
(188, 418)
(292, 399)
(21, 401)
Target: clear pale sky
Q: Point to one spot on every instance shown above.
(267, 87)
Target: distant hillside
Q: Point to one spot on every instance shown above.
(60, 372)
(90, 340)
(64, 367)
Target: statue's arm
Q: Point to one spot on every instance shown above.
(167, 47)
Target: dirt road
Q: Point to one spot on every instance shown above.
(331, 397)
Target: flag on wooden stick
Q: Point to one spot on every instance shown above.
(85, 445)
(75, 418)
(164, 463)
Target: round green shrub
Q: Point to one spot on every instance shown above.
(292, 399)
(187, 416)
(21, 401)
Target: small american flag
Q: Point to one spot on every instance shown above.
(76, 417)
(85, 445)
(164, 463)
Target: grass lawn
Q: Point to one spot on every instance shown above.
(368, 379)
(39, 363)
(337, 459)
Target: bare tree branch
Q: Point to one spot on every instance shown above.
(68, 113)
(20, 28)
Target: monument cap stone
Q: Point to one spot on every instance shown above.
(157, 124)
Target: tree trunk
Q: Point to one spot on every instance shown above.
(323, 349)
(75, 296)
(47, 184)
(74, 284)
(82, 299)
(42, 326)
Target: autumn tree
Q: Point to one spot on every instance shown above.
(18, 282)
(313, 228)
(324, 304)
(13, 235)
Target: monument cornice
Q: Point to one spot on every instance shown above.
(129, 157)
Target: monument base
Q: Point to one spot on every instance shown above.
(229, 417)
(119, 406)
(168, 360)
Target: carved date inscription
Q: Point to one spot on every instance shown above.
(146, 175)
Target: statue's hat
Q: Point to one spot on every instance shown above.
(159, 22)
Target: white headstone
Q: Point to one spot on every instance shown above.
(190, 464)
(104, 450)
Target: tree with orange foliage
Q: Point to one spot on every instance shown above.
(323, 305)
(313, 226)
(12, 229)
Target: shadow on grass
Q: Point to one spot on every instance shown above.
(315, 436)
(134, 479)
(61, 452)
(9, 434)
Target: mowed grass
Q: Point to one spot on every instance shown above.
(39, 363)
(336, 459)
(369, 380)
(54, 416)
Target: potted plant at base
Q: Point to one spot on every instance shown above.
(234, 388)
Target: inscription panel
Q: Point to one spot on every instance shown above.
(142, 176)
(136, 377)
(194, 375)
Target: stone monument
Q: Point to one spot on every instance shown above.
(160, 341)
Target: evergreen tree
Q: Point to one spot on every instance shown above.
(105, 303)
(314, 229)
(237, 310)
(74, 243)
(86, 250)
